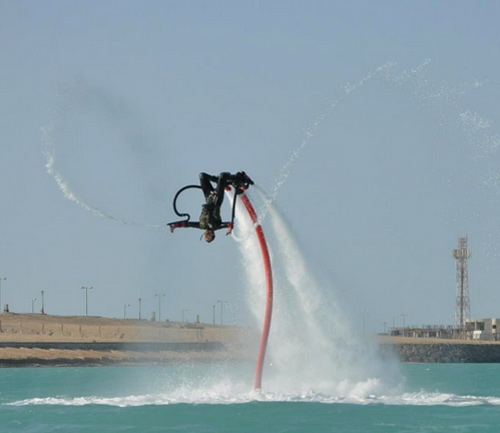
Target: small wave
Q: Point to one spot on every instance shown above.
(436, 399)
(405, 399)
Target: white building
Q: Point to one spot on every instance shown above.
(483, 329)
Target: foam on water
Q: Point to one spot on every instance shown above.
(405, 399)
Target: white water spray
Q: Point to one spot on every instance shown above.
(311, 345)
(478, 145)
(385, 71)
(49, 152)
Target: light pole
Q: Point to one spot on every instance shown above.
(125, 310)
(403, 316)
(404, 324)
(140, 301)
(1, 278)
(213, 311)
(43, 305)
(33, 305)
(159, 305)
(87, 298)
(221, 314)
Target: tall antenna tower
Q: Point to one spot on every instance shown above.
(462, 308)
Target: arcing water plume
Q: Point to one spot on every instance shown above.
(312, 129)
(424, 90)
(64, 186)
(311, 346)
(385, 71)
(50, 157)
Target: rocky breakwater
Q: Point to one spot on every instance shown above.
(420, 350)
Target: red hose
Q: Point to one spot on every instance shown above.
(269, 283)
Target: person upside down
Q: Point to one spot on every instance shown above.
(210, 217)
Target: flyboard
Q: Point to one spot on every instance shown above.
(241, 182)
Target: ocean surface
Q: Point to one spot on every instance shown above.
(219, 398)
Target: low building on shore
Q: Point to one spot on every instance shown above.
(475, 329)
(426, 331)
(483, 329)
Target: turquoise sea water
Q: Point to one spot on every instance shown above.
(207, 398)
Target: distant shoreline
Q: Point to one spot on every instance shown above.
(34, 340)
(31, 358)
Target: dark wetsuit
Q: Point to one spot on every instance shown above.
(210, 213)
(210, 218)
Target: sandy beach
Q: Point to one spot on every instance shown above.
(37, 340)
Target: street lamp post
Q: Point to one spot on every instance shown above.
(1, 278)
(221, 314)
(140, 301)
(33, 305)
(43, 305)
(87, 298)
(159, 305)
(404, 324)
(213, 311)
(125, 310)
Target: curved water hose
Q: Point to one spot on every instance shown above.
(187, 216)
(182, 215)
(269, 284)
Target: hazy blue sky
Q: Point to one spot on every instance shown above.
(391, 108)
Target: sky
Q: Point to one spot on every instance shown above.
(374, 127)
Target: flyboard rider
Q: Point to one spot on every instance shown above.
(210, 218)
